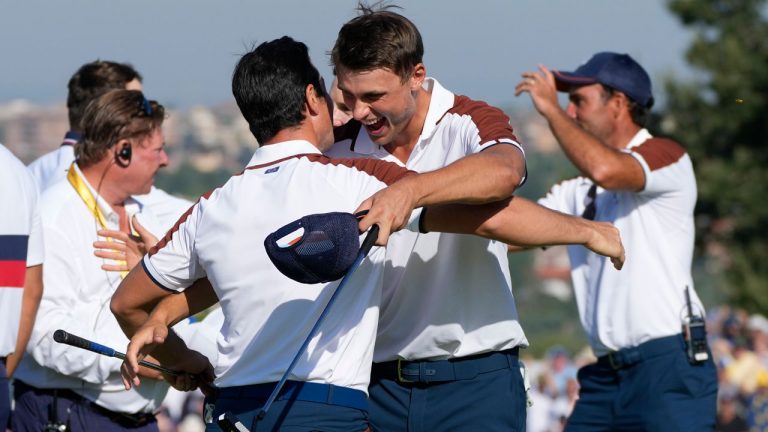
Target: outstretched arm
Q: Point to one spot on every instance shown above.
(520, 222)
(487, 176)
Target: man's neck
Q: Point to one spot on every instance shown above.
(622, 136)
(405, 141)
(300, 132)
(101, 178)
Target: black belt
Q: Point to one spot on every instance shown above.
(123, 419)
(460, 368)
(627, 357)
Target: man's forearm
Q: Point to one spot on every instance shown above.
(33, 292)
(515, 221)
(488, 176)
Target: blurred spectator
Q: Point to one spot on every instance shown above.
(728, 417)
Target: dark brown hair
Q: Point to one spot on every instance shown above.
(378, 38)
(93, 80)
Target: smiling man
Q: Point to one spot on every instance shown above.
(446, 355)
(644, 378)
(121, 151)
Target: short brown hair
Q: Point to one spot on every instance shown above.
(116, 115)
(378, 38)
(93, 80)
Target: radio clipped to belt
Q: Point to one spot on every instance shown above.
(695, 334)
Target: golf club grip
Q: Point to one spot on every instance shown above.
(370, 239)
(61, 336)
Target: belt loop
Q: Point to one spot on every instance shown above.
(329, 398)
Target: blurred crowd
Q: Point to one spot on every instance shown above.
(739, 345)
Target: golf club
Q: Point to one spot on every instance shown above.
(368, 242)
(61, 336)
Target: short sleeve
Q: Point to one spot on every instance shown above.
(173, 263)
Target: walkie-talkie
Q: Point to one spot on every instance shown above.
(695, 333)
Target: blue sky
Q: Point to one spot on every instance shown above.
(186, 49)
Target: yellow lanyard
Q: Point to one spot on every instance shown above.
(90, 201)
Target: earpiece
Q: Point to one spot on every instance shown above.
(123, 157)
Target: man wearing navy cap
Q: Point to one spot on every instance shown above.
(648, 376)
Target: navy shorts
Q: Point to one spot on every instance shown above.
(477, 393)
(652, 387)
(299, 407)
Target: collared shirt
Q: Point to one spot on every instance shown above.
(21, 242)
(52, 167)
(444, 295)
(645, 300)
(76, 299)
(267, 315)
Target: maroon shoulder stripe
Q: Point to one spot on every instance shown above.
(492, 124)
(660, 152)
(386, 172)
(163, 241)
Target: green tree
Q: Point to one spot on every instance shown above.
(720, 116)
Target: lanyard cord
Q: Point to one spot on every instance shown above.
(90, 201)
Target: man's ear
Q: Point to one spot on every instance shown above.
(620, 103)
(314, 102)
(417, 76)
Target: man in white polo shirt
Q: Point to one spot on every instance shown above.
(89, 82)
(647, 376)
(446, 351)
(21, 257)
(118, 156)
(267, 315)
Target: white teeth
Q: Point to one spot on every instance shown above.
(372, 121)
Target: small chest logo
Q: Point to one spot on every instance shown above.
(272, 170)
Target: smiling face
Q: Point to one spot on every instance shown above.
(381, 101)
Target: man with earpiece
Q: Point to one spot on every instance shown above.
(89, 82)
(121, 150)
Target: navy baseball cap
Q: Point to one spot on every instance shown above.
(317, 248)
(618, 71)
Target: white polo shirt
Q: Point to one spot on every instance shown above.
(267, 316)
(76, 299)
(52, 167)
(445, 295)
(645, 300)
(21, 242)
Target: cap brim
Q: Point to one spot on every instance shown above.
(565, 80)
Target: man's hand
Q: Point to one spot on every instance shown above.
(606, 241)
(541, 87)
(388, 208)
(126, 249)
(199, 371)
(150, 335)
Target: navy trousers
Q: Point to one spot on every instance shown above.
(300, 407)
(476, 399)
(31, 413)
(652, 387)
(5, 397)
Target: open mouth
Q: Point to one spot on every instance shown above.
(375, 127)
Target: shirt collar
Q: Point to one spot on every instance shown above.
(640, 137)
(441, 101)
(71, 138)
(272, 152)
